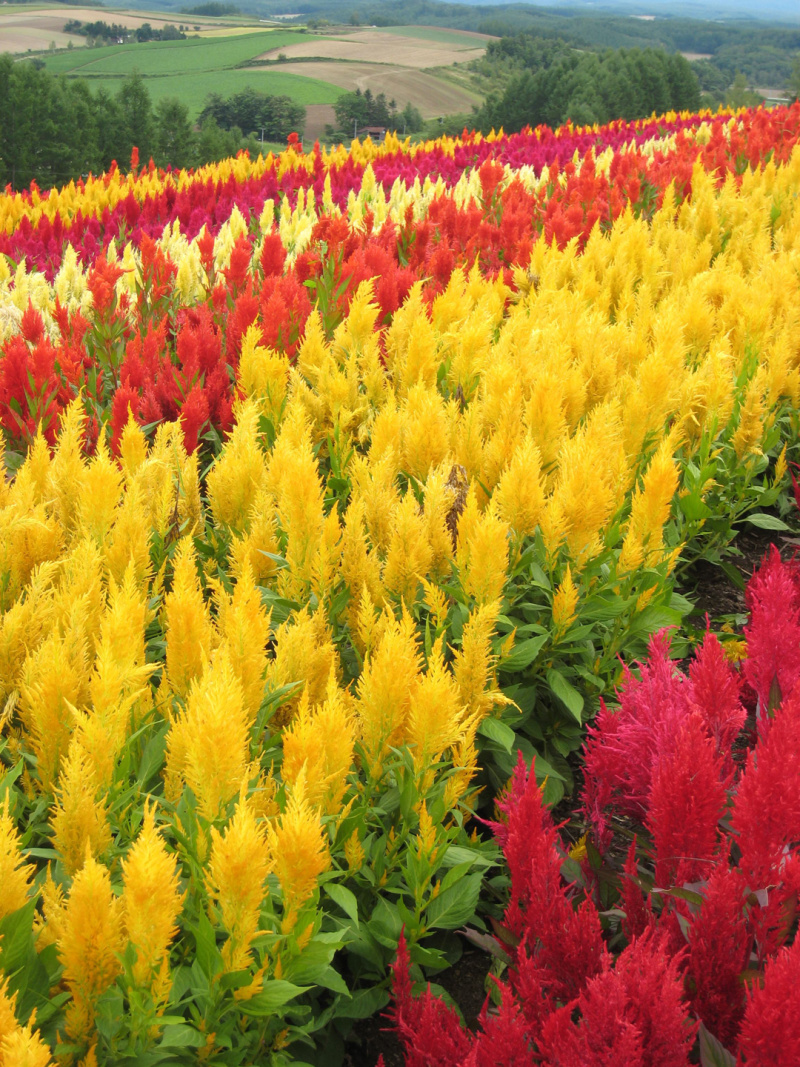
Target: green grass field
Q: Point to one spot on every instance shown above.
(171, 57)
(192, 89)
(189, 70)
(429, 33)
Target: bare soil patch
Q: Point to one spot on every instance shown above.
(432, 96)
(375, 46)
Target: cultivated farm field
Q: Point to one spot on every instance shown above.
(32, 27)
(189, 70)
(403, 62)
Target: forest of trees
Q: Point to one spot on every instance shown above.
(56, 129)
(355, 111)
(556, 82)
(253, 112)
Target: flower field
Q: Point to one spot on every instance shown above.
(336, 487)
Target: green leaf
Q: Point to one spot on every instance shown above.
(498, 732)
(766, 522)
(346, 899)
(182, 1036)
(566, 693)
(458, 854)
(712, 1053)
(456, 905)
(275, 994)
(365, 1002)
(525, 652)
(694, 507)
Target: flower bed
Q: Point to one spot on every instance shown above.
(333, 482)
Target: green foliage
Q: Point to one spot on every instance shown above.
(562, 84)
(255, 112)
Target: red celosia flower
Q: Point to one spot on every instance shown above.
(239, 264)
(635, 904)
(623, 746)
(505, 1038)
(770, 1034)
(560, 947)
(687, 799)
(766, 810)
(720, 940)
(194, 416)
(632, 1013)
(772, 666)
(429, 1029)
(714, 690)
(102, 279)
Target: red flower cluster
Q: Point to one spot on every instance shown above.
(707, 894)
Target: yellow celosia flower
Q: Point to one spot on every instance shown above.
(151, 903)
(244, 628)
(15, 874)
(208, 745)
(19, 1046)
(238, 866)
(354, 852)
(410, 554)
(305, 653)
(482, 553)
(747, 438)
(519, 496)
(650, 509)
(54, 680)
(79, 819)
(384, 688)
(565, 601)
(89, 942)
(298, 845)
(129, 539)
(318, 745)
(99, 494)
(239, 472)
(434, 712)
(190, 637)
(263, 374)
(68, 470)
(474, 661)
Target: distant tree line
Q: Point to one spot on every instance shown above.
(212, 10)
(355, 111)
(255, 112)
(102, 31)
(559, 83)
(56, 129)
